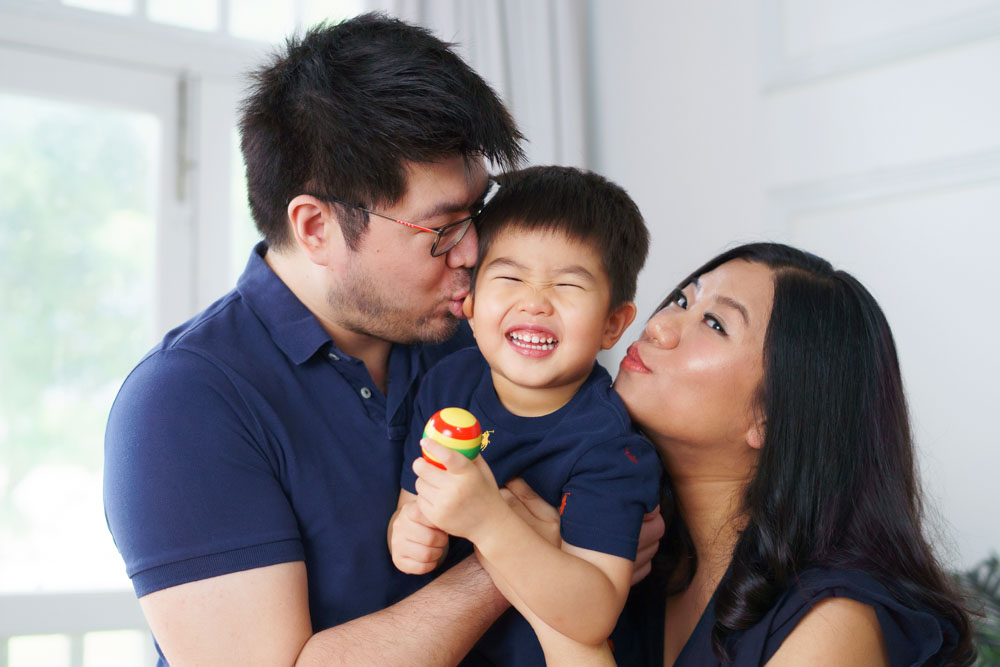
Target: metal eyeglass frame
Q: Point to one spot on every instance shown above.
(463, 225)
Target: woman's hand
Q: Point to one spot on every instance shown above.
(649, 541)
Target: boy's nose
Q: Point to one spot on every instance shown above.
(535, 303)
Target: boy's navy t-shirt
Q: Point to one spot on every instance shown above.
(585, 458)
(247, 438)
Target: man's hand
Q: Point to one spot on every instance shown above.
(416, 544)
(533, 510)
(649, 541)
(462, 500)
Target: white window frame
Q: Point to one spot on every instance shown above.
(192, 81)
(208, 70)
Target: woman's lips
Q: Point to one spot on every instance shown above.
(633, 362)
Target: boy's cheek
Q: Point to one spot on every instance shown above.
(467, 309)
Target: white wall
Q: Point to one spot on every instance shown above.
(676, 120)
(868, 135)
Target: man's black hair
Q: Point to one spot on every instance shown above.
(340, 110)
(580, 204)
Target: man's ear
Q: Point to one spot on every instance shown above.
(313, 227)
(618, 321)
(467, 310)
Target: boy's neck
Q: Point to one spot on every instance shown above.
(533, 401)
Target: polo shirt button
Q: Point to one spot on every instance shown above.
(333, 357)
(366, 392)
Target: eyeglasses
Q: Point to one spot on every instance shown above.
(448, 236)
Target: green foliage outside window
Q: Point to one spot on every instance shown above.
(76, 232)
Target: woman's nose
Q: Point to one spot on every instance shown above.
(664, 331)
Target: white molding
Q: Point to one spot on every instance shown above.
(781, 71)
(69, 613)
(782, 204)
(125, 40)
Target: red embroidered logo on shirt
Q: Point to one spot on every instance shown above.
(562, 507)
(630, 457)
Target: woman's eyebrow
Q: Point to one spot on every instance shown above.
(731, 302)
(735, 305)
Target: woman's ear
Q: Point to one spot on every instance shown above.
(756, 433)
(618, 321)
(312, 227)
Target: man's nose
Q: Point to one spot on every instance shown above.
(464, 254)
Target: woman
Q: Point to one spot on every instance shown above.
(769, 383)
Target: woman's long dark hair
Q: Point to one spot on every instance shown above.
(835, 483)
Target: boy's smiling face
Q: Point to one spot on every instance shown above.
(540, 312)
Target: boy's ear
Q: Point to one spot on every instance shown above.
(618, 321)
(467, 310)
(313, 227)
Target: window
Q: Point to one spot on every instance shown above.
(122, 213)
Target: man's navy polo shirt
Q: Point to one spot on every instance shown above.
(247, 438)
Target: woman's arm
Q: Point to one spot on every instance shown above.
(835, 632)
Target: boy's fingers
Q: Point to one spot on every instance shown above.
(412, 512)
(451, 459)
(484, 468)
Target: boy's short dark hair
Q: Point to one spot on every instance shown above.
(580, 204)
(339, 110)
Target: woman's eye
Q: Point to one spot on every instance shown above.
(568, 285)
(714, 323)
(681, 300)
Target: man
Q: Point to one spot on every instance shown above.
(253, 457)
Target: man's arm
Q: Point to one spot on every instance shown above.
(261, 617)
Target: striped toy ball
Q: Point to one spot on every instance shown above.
(457, 429)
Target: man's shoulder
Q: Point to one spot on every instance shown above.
(201, 355)
(214, 327)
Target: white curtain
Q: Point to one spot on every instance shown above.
(533, 53)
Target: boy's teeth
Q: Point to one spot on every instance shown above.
(533, 341)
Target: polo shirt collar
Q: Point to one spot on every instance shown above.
(294, 329)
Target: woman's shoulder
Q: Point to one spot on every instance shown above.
(837, 605)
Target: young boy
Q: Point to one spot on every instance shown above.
(559, 253)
